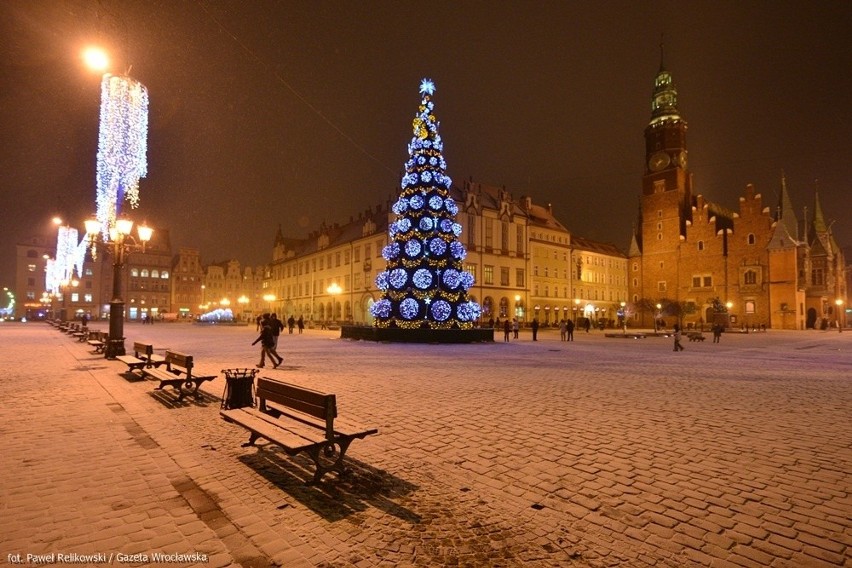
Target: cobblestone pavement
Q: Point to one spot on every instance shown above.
(600, 452)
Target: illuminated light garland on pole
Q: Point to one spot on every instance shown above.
(122, 146)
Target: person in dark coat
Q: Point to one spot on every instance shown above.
(507, 329)
(569, 330)
(267, 344)
(535, 329)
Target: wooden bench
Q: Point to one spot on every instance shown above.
(695, 336)
(97, 339)
(178, 374)
(143, 356)
(299, 420)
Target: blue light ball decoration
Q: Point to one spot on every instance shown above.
(441, 310)
(398, 278)
(382, 280)
(446, 225)
(381, 309)
(403, 225)
(468, 311)
(451, 278)
(426, 224)
(413, 248)
(433, 161)
(451, 206)
(422, 278)
(416, 202)
(437, 246)
(457, 229)
(401, 206)
(457, 250)
(426, 176)
(391, 251)
(409, 308)
(466, 280)
(435, 202)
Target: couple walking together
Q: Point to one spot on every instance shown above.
(270, 329)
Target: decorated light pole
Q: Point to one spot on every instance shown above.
(121, 162)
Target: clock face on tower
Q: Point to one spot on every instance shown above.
(681, 159)
(658, 161)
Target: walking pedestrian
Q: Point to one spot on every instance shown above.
(277, 327)
(535, 329)
(507, 329)
(267, 344)
(677, 345)
(300, 323)
(291, 323)
(569, 330)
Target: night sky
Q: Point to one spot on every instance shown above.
(294, 113)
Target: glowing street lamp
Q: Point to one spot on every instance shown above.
(839, 303)
(95, 59)
(334, 289)
(119, 244)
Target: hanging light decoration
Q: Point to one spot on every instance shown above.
(122, 146)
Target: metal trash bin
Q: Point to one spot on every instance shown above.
(239, 388)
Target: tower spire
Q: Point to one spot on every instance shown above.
(818, 224)
(664, 97)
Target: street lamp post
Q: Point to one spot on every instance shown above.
(120, 244)
(269, 298)
(657, 317)
(839, 303)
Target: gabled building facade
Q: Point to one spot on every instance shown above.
(699, 262)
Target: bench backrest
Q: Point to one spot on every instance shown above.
(173, 358)
(145, 349)
(313, 403)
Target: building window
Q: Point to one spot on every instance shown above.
(751, 238)
(750, 277)
(134, 272)
(488, 274)
(356, 255)
(472, 269)
(519, 233)
(700, 245)
(165, 275)
(144, 273)
(504, 276)
(708, 281)
(520, 278)
(635, 267)
(504, 237)
(661, 286)
(696, 282)
(471, 230)
(489, 233)
(749, 306)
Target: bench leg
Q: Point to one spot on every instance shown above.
(252, 439)
(329, 457)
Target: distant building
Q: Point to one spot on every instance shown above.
(31, 301)
(228, 285)
(520, 256)
(701, 262)
(187, 281)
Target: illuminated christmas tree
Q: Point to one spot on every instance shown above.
(425, 285)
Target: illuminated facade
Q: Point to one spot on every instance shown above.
(701, 262)
(519, 254)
